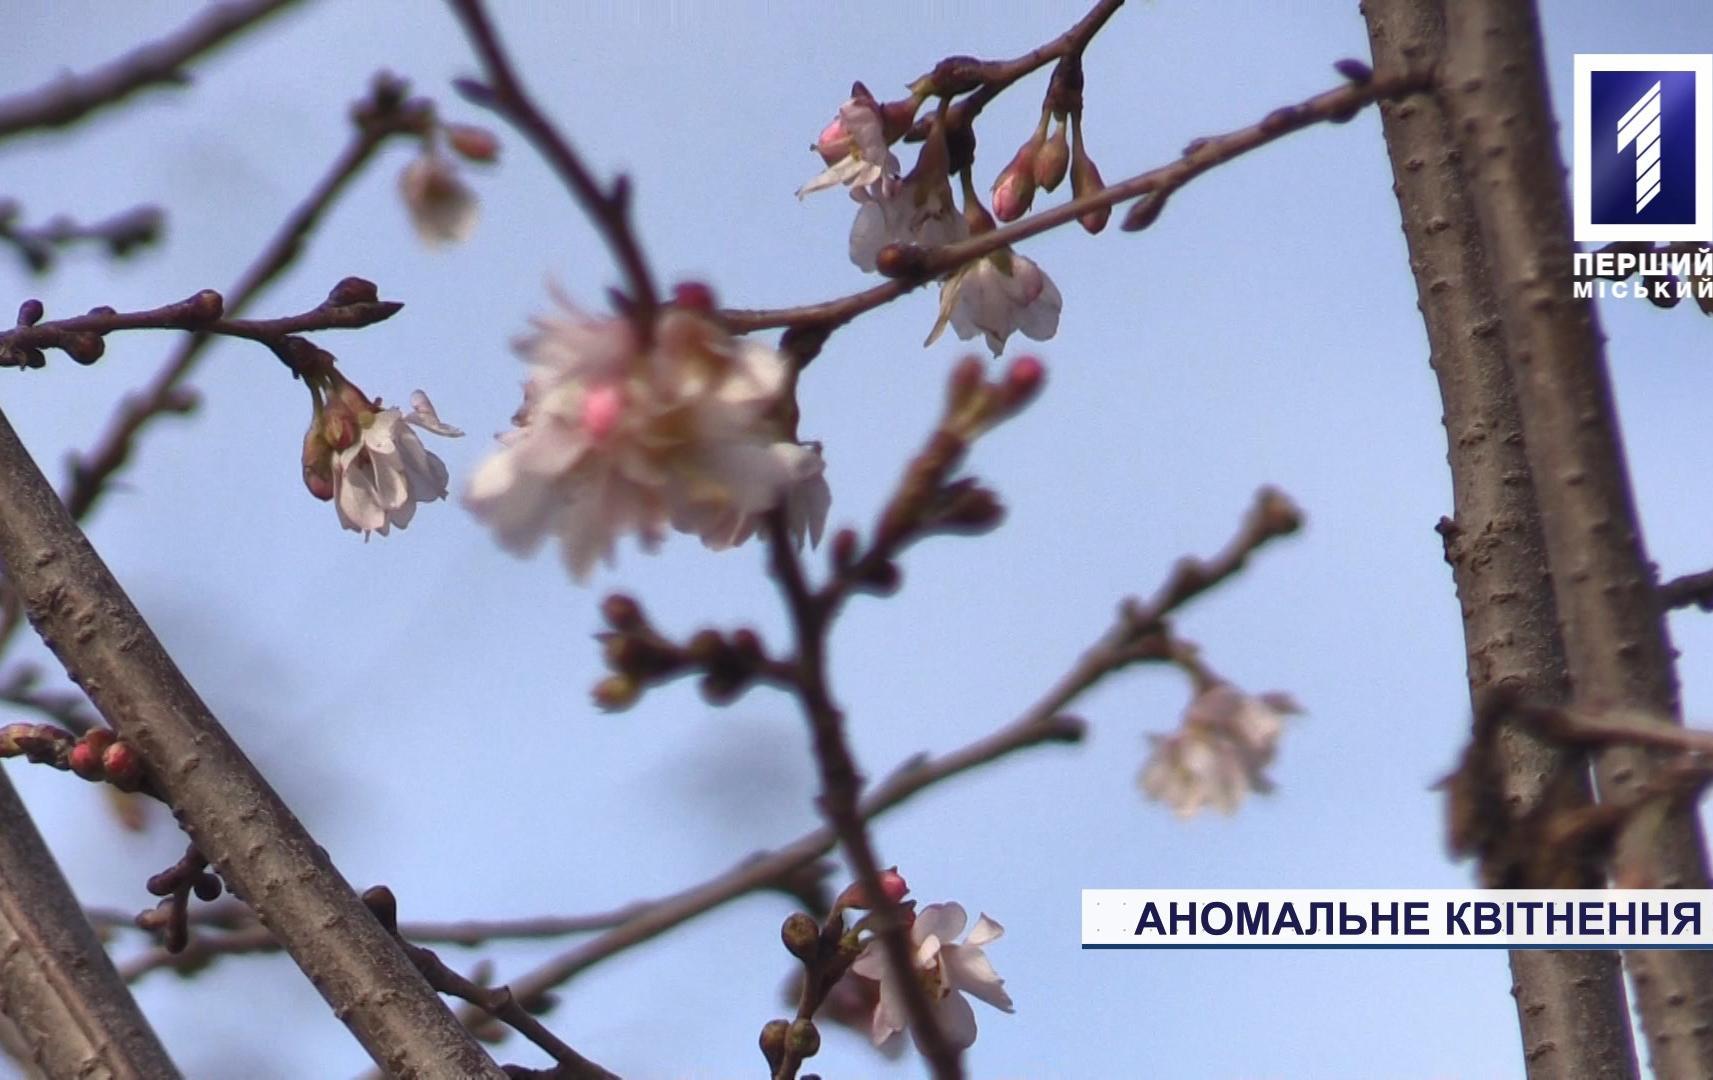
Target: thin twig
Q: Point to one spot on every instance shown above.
(120, 234)
(71, 97)
(1690, 590)
(1042, 723)
(609, 209)
(923, 266)
(385, 113)
(80, 336)
(497, 1002)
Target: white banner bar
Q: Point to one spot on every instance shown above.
(1397, 919)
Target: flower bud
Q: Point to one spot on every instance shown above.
(616, 692)
(1014, 191)
(1023, 381)
(29, 313)
(834, 142)
(92, 745)
(773, 1041)
(801, 935)
(622, 612)
(1053, 160)
(352, 290)
(1085, 181)
(207, 306)
(694, 295)
(855, 897)
(803, 1039)
(124, 769)
(472, 143)
(84, 348)
(317, 464)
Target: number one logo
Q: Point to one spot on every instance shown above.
(1641, 126)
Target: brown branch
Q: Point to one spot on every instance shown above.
(990, 78)
(497, 1002)
(841, 791)
(608, 209)
(1571, 1006)
(232, 930)
(350, 306)
(1690, 590)
(1203, 154)
(1616, 644)
(231, 813)
(385, 113)
(38, 245)
(69, 98)
(57, 986)
(1042, 723)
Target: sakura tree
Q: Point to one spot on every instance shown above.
(777, 575)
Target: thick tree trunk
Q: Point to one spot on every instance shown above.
(1493, 88)
(1570, 1005)
(235, 818)
(71, 1015)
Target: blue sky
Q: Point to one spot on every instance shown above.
(421, 699)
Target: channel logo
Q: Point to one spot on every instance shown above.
(1644, 146)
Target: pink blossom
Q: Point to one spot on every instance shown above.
(378, 480)
(947, 969)
(997, 295)
(854, 148)
(442, 207)
(615, 438)
(1220, 751)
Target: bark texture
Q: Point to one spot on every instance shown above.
(229, 810)
(70, 1013)
(1494, 91)
(1571, 1006)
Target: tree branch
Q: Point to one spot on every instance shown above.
(1614, 633)
(1690, 590)
(70, 98)
(57, 986)
(120, 234)
(609, 209)
(230, 812)
(919, 266)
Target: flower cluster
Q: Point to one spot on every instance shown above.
(367, 459)
(996, 295)
(1220, 751)
(626, 432)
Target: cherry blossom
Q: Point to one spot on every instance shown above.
(1219, 753)
(948, 970)
(442, 207)
(997, 295)
(854, 148)
(385, 471)
(617, 436)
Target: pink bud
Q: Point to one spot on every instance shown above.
(1085, 180)
(1023, 381)
(123, 767)
(834, 143)
(1053, 161)
(472, 143)
(1015, 188)
(694, 295)
(892, 886)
